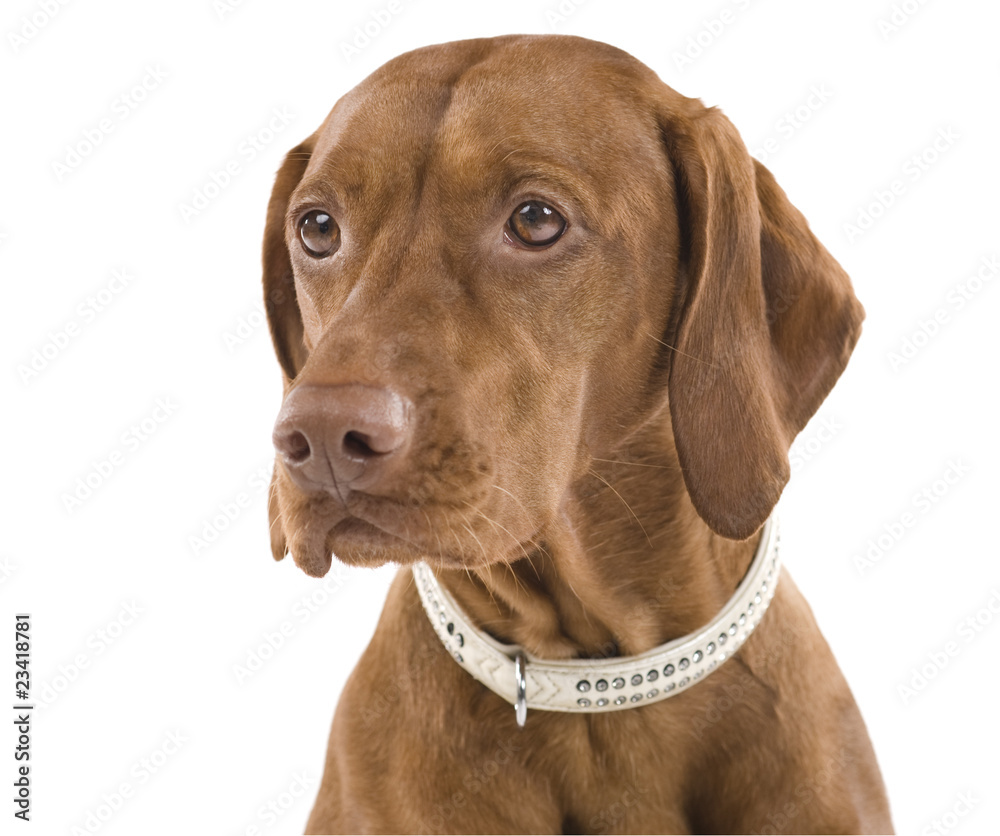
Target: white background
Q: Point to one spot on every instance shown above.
(113, 687)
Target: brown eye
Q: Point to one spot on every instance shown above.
(319, 233)
(536, 224)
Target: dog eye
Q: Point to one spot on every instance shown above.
(319, 233)
(536, 224)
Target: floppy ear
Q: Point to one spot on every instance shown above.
(767, 322)
(283, 316)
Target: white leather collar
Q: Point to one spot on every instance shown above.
(609, 684)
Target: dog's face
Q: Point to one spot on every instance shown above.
(493, 262)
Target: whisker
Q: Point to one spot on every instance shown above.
(517, 583)
(489, 588)
(486, 556)
(518, 501)
(432, 528)
(531, 563)
(637, 464)
(683, 353)
(498, 525)
(606, 482)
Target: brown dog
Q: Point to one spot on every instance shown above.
(546, 325)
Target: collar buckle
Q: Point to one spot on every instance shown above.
(520, 683)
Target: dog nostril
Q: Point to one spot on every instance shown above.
(297, 448)
(357, 445)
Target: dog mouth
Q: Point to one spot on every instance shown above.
(355, 540)
(354, 535)
(371, 531)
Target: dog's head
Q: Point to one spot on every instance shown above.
(497, 259)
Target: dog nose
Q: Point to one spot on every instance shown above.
(346, 436)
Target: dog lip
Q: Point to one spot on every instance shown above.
(316, 566)
(353, 525)
(373, 529)
(362, 520)
(356, 528)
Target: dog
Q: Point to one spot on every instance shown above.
(547, 332)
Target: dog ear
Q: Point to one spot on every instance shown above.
(767, 321)
(283, 316)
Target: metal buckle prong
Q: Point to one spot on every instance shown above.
(521, 705)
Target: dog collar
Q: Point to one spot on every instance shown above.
(609, 684)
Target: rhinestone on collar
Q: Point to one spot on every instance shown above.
(597, 685)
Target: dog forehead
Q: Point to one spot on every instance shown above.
(473, 103)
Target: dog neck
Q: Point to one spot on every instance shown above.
(627, 565)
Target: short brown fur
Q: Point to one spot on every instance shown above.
(601, 429)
